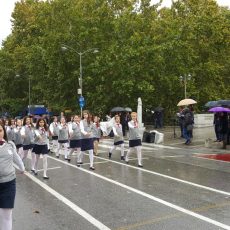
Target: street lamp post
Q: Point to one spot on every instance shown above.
(29, 91)
(184, 80)
(93, 50)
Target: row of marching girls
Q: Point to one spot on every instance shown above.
(79, 135)
(29, 138)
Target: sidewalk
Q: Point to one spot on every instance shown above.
(200, 135)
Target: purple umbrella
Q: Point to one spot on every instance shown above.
(219, 109)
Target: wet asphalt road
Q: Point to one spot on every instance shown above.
(175, 190)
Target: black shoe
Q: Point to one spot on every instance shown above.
(32, 170)
(127, 162)
(57, 156)
(81, 163)
(45, 177)
(35, 173)
(92, 168)
(140, 166)
(188, 142)
(122, 158)
(110, 155)
(69, 160)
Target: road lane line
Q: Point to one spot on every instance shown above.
(145, 145)
(171, 178)
(168, 204)
(73, 206)
(99, 162)
(49, 169)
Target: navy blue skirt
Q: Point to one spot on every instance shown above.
(7, 194)
(63, 141)
(75, 144)
(54, 137)
(118, 142)
(40, 149)
(134, 143)
(87, 144)
(18, 146)
(27, 147)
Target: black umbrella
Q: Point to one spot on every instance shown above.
(117, 109)
(127, 109)
(158, 109)
(224, 103)
(211, 104)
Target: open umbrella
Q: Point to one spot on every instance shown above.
(127, 109)
(219, 109)
(224, 103)
(211, 104)
(117, 109)
(186, 101)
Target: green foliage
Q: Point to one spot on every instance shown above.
(142, 52)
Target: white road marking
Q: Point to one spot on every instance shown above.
(73, 206)
(172, 178)
(144, 145)
(169, 177)
(168, 204)
(173, 156)
(49, 169)
(100, 162)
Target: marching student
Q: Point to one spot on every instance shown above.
(6, 122)
(134, 139)
(8, 156)
(63, 138)
(86, 126)
(96, 134)
(10, 130)
(54, 130)
(27, 133)
(75, 139)
(41, 145)
(118, 138)
(18, 137)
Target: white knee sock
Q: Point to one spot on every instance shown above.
(91, 157)
(59, 149)
(122, 150)
(71, 152)
(36, 162)
(79, 155)
(139, 155)
(55, 145)
(66, 151)
(112, 148)
(45, 165)
(33, 160)
(5, 219)
(131, 149)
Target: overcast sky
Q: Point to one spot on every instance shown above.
(7, 7)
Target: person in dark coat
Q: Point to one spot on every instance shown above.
(217, 127)
(224, 123)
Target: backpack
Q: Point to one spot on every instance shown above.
(188, 118)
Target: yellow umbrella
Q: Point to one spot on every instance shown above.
(186, 101)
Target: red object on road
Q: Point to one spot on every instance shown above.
(220, 157)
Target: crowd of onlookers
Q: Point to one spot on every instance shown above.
(221, 125)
